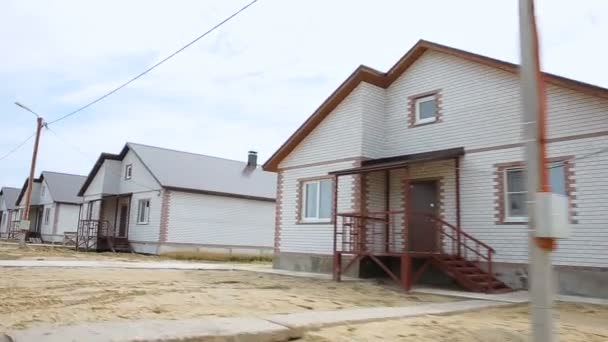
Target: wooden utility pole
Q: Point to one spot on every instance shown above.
(537, 178)
(30, 184)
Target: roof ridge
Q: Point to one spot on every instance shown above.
(62, 173)
(187, 152)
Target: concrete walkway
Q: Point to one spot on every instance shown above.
(242, 329)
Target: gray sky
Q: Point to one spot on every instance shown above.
(247, 86)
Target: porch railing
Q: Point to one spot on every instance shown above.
(389, 232)
(90, 231)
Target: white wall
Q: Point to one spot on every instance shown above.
(141, 179)
(149, 231)
(218, 220)
(68, 218)
(310, 238)
(343, 125)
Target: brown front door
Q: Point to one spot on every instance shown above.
(422, 233)
(122, 224)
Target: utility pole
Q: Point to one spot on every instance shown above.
(537, 178)
(24, 224)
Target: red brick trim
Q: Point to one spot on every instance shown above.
(278, 216)
(300, 195)
(359, 196)
(164, 215)
(56, 218)
(499, 187)
(411, 105)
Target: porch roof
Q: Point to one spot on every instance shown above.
(398, 162)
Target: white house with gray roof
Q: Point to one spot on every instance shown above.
(155, 200)
(8, 209)
(55, 205)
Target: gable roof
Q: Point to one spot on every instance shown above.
(35, 201)
(63, 187)
(385, 79)
(10, 197)
(196, 172)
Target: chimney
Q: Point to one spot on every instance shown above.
(252, 160)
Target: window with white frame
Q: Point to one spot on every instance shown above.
(317, 201)
(426, 109)
(47, 216)
(43, 191)
(143, 211)
(515, 190)
(128, 171)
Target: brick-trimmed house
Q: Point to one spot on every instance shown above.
(8, 209)
(55, 205)
(420, 168)
(155, 200)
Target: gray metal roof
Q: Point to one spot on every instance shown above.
(9, 195)
(64, 187)
(189, 171)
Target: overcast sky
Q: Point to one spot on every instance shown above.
(251, 83)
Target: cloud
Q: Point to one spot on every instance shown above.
(248, 85)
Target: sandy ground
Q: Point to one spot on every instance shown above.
(11, 251)
(63, 296)
(577, 322)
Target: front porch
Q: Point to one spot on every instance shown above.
(104, 224)
(402, 207)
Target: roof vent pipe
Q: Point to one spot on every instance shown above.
(252, 160)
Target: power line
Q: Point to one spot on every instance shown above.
(156, 65)
(17, 147)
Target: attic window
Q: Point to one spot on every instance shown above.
(43, 191)
(426, 109)
(128, 171)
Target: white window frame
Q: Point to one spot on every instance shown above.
(147, 213)
(47, 216)
(506, 193)
(417, 103)
(316, 219)
(507, 217)
(43, 191)
(128, 171)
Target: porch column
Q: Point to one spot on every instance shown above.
(334, 212)
(457, 180)
(406, 271)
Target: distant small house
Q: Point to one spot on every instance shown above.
(8, 209)
(54, 206)
(155, 200)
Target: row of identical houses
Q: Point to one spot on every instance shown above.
(415, 174)
(151, 200)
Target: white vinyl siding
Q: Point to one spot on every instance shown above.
(315, 237)
(220, 221)
(150, 231)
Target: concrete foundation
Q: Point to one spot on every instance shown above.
(569, 280)
(317, 263)
(160, 248)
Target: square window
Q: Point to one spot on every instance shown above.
(317, 200)
(426, 109)
(515, 192)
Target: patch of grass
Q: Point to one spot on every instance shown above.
(225, 257)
